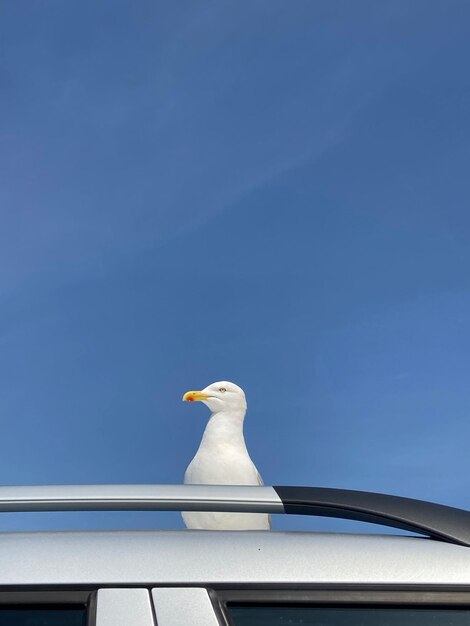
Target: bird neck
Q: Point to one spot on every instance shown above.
(225, 427)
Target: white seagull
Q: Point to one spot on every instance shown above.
(222, 457)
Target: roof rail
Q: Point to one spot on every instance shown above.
(434, 520)
(437, 521)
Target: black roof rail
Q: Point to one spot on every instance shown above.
(438, 521)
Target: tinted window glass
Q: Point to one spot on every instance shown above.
(39, 616)
(322, 616)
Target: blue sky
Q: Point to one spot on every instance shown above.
(268, 192)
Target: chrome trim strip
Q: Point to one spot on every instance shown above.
(242, 499)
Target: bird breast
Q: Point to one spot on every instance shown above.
(221, 467)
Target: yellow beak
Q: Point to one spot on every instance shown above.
(194, 396)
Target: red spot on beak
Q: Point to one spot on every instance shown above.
(191, 399)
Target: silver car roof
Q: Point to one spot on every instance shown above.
(227, 558)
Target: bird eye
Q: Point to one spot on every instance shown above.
(222, 389)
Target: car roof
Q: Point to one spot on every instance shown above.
(227, 558)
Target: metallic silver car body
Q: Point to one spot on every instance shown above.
(121, 607)
(178, 606)
(206, 557)
(186, 578)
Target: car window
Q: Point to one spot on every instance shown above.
(346, 616)
(41, 616)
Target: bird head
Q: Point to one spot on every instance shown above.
(222, 396)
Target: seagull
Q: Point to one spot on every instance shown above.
(222, 457)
